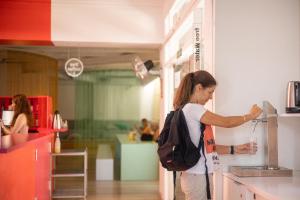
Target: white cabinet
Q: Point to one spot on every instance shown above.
(233, 190)
(258, 197)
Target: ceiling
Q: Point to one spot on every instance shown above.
(93, 58)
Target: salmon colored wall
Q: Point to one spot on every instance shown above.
(25, 22)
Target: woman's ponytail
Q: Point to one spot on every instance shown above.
(184, 91)
(186, 87)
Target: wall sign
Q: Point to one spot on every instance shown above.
(74, 67)
(197, 40)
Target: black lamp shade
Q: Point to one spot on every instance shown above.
(149, 64)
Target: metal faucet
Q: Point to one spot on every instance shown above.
(270, 117)
(271, 168)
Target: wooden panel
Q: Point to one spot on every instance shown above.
(31, 74)
(3, 79)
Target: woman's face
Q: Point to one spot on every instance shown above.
(205, 94)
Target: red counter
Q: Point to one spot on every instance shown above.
(25, 164)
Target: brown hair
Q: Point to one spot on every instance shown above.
(22, 106)
(188, 83)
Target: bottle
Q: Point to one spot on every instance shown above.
(57, 144)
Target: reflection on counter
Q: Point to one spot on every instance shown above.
(8, 141)
(15, 140)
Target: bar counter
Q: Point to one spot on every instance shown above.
(13, 142)
(135, 160)
(25, 166)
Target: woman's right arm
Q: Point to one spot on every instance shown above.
(5, 129)
(231, 121)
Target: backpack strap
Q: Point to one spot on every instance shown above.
(201, 145)
(174, 184)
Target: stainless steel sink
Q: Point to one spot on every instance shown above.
(248, 171)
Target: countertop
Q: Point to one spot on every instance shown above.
(272, 188)
(15, 141)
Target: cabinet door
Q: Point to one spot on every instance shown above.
(43, 167)
(253, 196)
(233, 190)
(17, 174)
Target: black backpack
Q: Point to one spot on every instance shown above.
(176, 151)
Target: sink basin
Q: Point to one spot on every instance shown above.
(251, 171)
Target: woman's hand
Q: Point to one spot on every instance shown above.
(255, 112)
(246, 148)
(1, 123)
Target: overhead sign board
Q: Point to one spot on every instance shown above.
(74, 67)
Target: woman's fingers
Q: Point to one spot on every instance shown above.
(247, 148)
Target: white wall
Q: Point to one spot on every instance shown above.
(256, 54)
(149, 101)
(103, 22)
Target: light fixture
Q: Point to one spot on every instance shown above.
(141, 68)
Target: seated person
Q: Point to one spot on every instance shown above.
(22, 118)
(145, 131)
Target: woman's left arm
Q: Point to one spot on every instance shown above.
(20, 122)
(237, 149)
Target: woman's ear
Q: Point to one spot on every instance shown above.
(199, 87)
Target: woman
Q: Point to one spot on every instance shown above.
(146, 131)
(22, 118)
(194, 91)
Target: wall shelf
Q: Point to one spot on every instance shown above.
(290, 115)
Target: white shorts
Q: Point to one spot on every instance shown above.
(194, 186)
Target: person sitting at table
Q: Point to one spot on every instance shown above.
(22, 118)
(145, 131)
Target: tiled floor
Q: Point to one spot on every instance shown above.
(119, 190)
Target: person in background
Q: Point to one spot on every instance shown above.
(22, 118)
(194, 91)
(145, 130)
